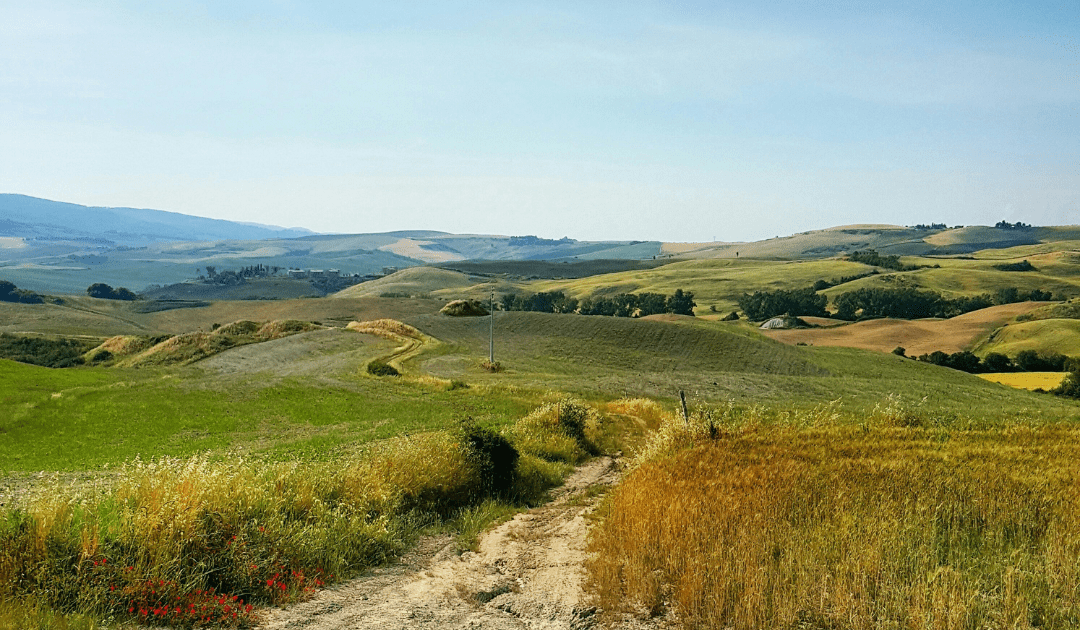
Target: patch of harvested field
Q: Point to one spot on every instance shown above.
(919, 336)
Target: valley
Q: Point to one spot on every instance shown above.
(242, 445)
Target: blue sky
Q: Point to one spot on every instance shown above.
(679, 121)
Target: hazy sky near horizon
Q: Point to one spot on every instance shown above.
(676, 121)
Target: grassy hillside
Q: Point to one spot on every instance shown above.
(716, 283)
(419, 282)
(890, 239)
(107, 318)
(83, 418)
(612, 357)
(958, 277)
(1047, 335)
(253, 289)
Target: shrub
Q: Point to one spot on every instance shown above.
(872, 258)
(54, 353)
(463, 308)
(101, 356)
(491, 366)
(382, 368)
(730, 317)
(558, 431)
(491, 455)
(1023, 265)
(534, 476)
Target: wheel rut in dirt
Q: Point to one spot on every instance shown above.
(526, 573)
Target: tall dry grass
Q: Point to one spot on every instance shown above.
(195, 542)
(740, 524)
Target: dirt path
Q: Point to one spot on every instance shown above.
(527, 573)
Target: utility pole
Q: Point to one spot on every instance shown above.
(491, 330)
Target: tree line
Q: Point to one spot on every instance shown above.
(875, 302)
(621, 305)
(11, 293)
(1024, 361)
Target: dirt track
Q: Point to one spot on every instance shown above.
(527, 573)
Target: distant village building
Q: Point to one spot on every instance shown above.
(309, 274)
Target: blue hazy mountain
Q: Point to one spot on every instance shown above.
(42, 219)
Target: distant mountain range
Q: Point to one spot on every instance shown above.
(42, 219)
(57, 247)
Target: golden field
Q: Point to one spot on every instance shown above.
(1027, 380)
(880, 526)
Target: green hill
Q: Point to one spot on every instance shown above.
(1045, 336)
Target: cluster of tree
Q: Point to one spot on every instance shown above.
(229, 278)
(106, 292)
(1025, 361)
(621, 305)
(544, 302)
(823, 284)
(763, 305)
(910, 303)
(871, 257)
(1005, 225)
(54, 353)
(11, 293)
(1023, 265)
(932, 226)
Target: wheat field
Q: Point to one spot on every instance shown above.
(863, 528)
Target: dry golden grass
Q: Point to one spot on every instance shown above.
(564, 431)
(194, 346)
(753, 527)
(387, 328)
(1027, 380)
(123, 344)
(916, 336)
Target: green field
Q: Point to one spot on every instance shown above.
(1045, 336)
(305, 393)
(82, 418)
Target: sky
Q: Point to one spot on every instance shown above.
(664, 120)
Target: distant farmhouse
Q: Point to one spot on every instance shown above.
(315, 274)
